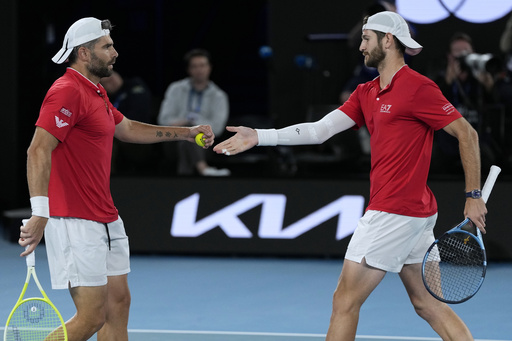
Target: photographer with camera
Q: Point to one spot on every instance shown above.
(504, 86)
(467, 83)
(506, 44)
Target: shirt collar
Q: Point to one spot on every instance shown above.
(376, 80)
(79, 76)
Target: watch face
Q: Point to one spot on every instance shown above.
(475, 194)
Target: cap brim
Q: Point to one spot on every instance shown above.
(411, 46)
(61, 56)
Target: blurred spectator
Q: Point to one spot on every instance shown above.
(504, 86)
(506, 43)
(473, 90)
(192, 101)
(504, 80)
(457, 81)
(131, 96)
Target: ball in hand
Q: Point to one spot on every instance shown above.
(200, 140)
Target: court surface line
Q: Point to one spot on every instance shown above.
(205, 332)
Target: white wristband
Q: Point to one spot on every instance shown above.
(40, 206)
(267, 137)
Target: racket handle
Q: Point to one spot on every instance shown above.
(489, 182)
(31, 258)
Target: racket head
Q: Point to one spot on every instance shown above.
(454, 266)
(35, 319)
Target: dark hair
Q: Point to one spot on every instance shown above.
(197, 53)
(460, 36)
(105, 25)
(399, 46)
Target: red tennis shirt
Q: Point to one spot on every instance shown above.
(401, 120)
(78, 113)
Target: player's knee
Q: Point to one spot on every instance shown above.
(343, 303)
(90, 319)
(120, 299)
(88, 325)
(124, 302)
(98, 323)
(119, 296)
(423, 308)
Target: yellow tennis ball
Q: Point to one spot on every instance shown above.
(199, 140)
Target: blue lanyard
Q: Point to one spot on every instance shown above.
(198, 95)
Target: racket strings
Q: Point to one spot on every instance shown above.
(455, 267)
(34, 320)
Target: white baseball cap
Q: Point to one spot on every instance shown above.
(81, 32)
(391, 22)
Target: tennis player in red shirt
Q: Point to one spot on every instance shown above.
(68, 172)
(401, 110)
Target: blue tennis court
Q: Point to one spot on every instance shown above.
(283, 299)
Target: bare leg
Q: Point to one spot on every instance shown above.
(56, 335)
(439, 315)
(118, 307)
(356, 283)
(90, 312)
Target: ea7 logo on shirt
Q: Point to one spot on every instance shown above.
(60, 123)
(65, 112)
(385, 108)
(448, 108)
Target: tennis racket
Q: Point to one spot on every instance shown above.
(36, 318)
(454, 266)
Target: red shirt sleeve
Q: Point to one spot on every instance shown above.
(60, 111)
(433, 108)
(352, 107)
(118, 116)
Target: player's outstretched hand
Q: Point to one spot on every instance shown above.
(244, 139)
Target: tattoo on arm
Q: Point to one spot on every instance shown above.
(298, 131)
(167, 134)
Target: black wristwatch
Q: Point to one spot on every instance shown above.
(475, 194)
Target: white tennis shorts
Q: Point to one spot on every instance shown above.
(84, 252)
(388, 241)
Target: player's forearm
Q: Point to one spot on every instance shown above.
(306, 133)
(39, 163)
(142, 133)
(470, 157)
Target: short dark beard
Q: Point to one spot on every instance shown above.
(377, 56)
(98, 68)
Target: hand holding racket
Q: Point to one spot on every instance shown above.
(454, 266)
(36, 318)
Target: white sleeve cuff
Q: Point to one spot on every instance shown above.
(267, 137)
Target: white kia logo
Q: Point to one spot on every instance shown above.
(475, 11)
